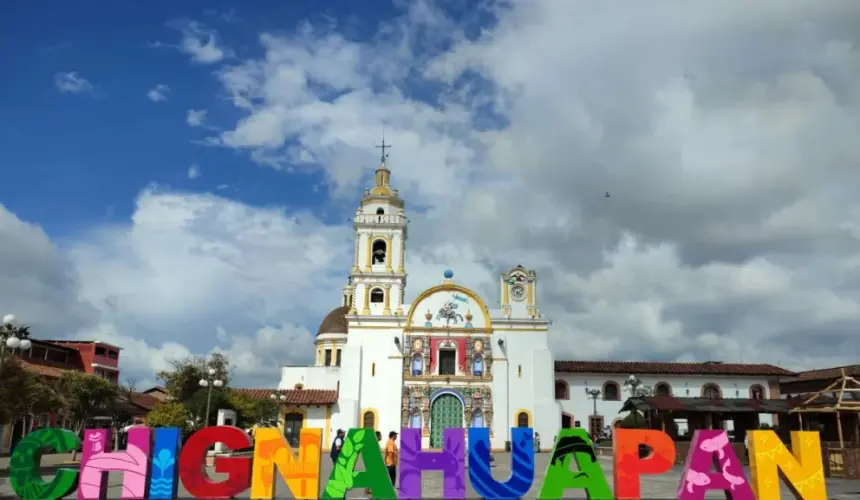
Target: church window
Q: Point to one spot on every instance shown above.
(519, 370)
(380, 211)
(377, 296)
(379, 251)
(711, 391)
(369, 420)
(328, 357)
(562, 390)
(662, 389)
(757, 392)
(478, 418)
(522, 419)
(417, 364)
(337, 360)
(447, 362)
(611, 392)
(478, 366)
(415, 419)
(372, 369)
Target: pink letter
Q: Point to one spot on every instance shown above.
(709, 448)
(96, 462)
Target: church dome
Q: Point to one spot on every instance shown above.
(335, 322)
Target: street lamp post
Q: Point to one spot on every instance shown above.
(278, 398)
(636, 388)
(593, 394)
(209, 382)
(13, 337)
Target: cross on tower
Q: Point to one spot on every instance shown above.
(383, 147)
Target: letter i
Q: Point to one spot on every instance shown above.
(162, 478)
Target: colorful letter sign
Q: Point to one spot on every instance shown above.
(150, 464)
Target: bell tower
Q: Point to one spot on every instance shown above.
(519, 293)
(378, 275)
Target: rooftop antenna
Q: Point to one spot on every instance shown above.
(383, 147)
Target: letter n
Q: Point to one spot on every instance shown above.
(271, 452)
(803, 471)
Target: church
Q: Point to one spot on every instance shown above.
(448, 360)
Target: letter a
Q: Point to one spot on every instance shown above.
(359, 442)
(574, 445)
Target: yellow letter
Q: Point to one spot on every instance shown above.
(302, 474)
(803, 471)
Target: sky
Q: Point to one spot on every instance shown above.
(177, 177)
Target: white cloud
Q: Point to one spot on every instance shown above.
(200, 42)
(194, 171)
(730, 220)
(158, 93)
(72, 83)
(195, 117)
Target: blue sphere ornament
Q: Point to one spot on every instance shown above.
(449, 274)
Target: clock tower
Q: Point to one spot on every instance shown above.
(519, 293)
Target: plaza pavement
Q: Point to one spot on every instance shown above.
(652, 486)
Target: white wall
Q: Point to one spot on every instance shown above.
(311, 377)
(581, 406)
(381, 375)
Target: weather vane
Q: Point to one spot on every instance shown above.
(383, 146)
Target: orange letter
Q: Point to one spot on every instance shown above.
(272, 451)
(628, 465)
(803, 471)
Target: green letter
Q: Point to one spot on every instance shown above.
(374, 476)
(24, 465)
(574, 445)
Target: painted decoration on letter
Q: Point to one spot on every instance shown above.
(193, 459)
(97, 462)
(522, 464)
(628, 467)
(707, 449)
(451, 461)
(24, 465)
(163, 483)
(803, 471)
(574, 446)
(344, 477)
(272, 451)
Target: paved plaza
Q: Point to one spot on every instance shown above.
(652, 487)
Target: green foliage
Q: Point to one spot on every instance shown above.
(252, 411)
(183, 379)
(23, 392)
(168, 414)
(86, 396)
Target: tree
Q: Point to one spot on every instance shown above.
(252, 411)
(24, 393)
(168, 414)
(183, 379)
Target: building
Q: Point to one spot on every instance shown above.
(448, 360)
(97, 358)
(52, 358)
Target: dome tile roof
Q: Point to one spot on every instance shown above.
(335, 322)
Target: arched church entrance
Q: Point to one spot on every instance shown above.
(446, 412)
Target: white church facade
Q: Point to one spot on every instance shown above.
(447, 360)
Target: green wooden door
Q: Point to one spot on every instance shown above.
(447, 412)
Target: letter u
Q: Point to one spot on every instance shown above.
(522, 464)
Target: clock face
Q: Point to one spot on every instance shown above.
(518, 293)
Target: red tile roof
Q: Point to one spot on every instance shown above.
(663, 368)
(296, 396)
(144, 401)
(828, 373)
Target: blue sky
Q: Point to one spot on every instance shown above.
(178, 175)
(82, 159)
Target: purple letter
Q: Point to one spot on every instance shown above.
(96, 462)
(451, 461)
(707, 448)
